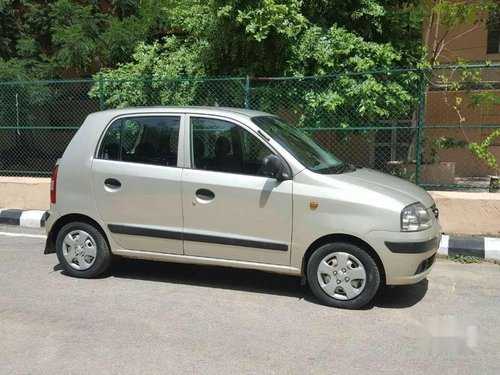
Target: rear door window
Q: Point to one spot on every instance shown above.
(146, 140)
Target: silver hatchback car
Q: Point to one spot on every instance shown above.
(236, 188)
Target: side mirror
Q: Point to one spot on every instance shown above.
(273, 167)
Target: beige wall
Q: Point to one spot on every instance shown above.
(461, 44)
(475, 214)
(25, 193)
(467, 42)
(440, 111)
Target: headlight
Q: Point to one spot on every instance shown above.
(416, 217)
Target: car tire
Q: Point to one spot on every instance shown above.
(343, 275)
(82, 250)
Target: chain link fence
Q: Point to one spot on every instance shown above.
(433, 127)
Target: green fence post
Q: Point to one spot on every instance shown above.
(101, 93)
(420, 125)
(247, 92)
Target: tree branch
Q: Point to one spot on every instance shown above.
(464, 33)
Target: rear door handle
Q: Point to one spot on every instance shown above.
(205, 194)
(112, 183)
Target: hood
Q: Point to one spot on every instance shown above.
(385, 183)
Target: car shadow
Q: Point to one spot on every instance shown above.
(207, 276)
(400, 296)
(254, 281)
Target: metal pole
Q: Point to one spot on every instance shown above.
(420, 125)
(101, 93)
(247, 92)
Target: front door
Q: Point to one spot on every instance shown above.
(137, 183)
(231, 211)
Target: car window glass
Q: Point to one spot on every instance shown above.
(147, 140)
(223, 146)
(110, 147)
(302, 147)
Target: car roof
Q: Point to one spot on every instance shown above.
(186, 109)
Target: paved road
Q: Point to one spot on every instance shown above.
(158, 318)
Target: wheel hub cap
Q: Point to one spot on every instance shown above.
(79, 250)
(341, 275)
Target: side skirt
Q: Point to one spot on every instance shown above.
(176, 258)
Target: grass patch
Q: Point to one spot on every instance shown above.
(465, 259)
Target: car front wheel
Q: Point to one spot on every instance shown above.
(343, 275)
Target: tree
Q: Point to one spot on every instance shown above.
(9, 25)
(79, 37)
(264, 38)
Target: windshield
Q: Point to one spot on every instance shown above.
(303, 148)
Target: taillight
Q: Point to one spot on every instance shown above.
(53, 184)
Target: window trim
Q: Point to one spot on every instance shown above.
(189, 143)
(180, 148)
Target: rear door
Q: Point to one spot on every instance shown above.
(231, 210)
(137, 182)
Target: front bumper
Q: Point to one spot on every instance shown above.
(407, 257)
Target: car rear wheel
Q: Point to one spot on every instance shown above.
(343, 275)
(82, 250)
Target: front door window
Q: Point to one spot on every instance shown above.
(222, 146)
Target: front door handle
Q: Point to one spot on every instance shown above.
(205, 194)
(112, 183)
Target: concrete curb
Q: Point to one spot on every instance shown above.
(480, 247)
(23, 218)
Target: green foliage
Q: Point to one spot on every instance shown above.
(481, 150)
(323, 51)
(143, 81)
(15, 95)
(465, 259)
(441, 143)
(12, 70)
(283, 17)
(486, 100)
(9, 25)
(79, 37)
(403, 172)
(75, 31)
(121, 40)
(381, 21)
(124, 8)
(351, 100)
(455, 13)
(269, 38)
(266, 37)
